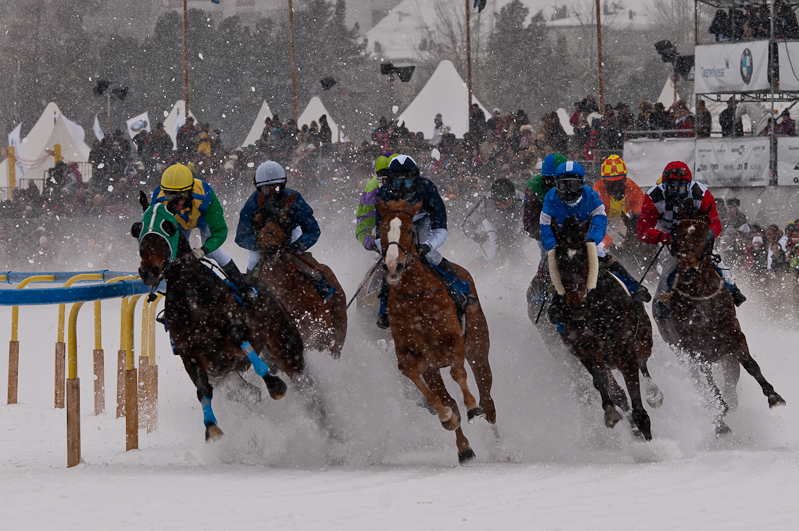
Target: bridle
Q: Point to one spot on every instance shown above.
(706, 252)
(410, 258)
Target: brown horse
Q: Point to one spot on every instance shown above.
(293, 279)
(602, 326)
(428, 334)
(703, 322)
(211, 332)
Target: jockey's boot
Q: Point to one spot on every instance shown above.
(554, 311)
(246, 292)
(637, 291)
(461, 299)
(382, 313)
(737, 297)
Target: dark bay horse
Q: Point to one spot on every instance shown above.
(703, 322)
(603, 327)
(209, 330)
(293, 279)
(428, 334)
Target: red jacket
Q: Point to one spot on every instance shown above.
(657, 218)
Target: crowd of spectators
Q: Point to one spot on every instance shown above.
(753, 22)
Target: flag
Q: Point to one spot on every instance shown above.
(96, 128)
(15, 142)
(180, 119)
(138, 123)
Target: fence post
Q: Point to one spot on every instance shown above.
(131, 387)
(98, 358)
(73, 391)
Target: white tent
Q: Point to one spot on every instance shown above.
(312, 112)
(50, 129)
(444, 93)
(667, 94)
(176, 115)
(258, 126)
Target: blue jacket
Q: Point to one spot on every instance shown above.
(588, 207)
(432, 205)
(301, 212)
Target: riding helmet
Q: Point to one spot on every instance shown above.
(613, 168)
(502, 190)
(269, 173)
(177, 178)
(548, 167)
(676, 180)
(381, 164)
(402, 174)
(569, 181)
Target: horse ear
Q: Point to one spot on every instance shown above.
(169, 227)
(415, 209)
(287, 202)
(143, 201)
(135, 229)
(382, 208)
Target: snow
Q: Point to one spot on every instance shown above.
(558, 467)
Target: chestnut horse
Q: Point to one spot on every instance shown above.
(428, 334)
(602, 326)
(703, 321)
(211, 332)
(322, 324)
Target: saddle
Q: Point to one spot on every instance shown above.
(307, 265)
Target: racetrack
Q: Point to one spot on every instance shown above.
(557, 468)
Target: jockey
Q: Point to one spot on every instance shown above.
(496, 219)
(661, 203)
(365, 229)
(622, 198)
(535, 192)
(404, 184)
(571, 197)
(193, 203)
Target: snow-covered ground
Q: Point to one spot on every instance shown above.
(558, 467)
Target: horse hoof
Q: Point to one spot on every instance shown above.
(275, 386)
(474, 414)
(722, 429)
(654, 396)
(453, 423)
(464, 456)
(612, 416)
(212, 433)
(775, 400)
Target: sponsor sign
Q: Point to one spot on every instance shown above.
(789, 65)
(732, 162)
(788, 161)
(645, 158)
(733, 67)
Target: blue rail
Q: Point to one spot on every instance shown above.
(40, 296)
(61, 276)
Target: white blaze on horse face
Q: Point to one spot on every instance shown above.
(691, 229)
(392, 253)
(571, 252)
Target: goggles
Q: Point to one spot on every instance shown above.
(401, 182)
(174, 196)
(267, 189)
(674, 172)
(569, 184)
(676, 187)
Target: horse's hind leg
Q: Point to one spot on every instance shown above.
(484, 380)
(204, 394)
(617, 394)
(702, 369)
(458, 372)
(640, 418)
(313, 401)
(751, 366)
(432, 377)
(407, 364)
(600, 378)
(654, 396)
(732, 373)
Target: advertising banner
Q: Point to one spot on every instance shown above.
(733, 161)
(789, 65)
(645, 158)
(788, 161)
(734, 67)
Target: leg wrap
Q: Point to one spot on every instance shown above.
(208, 413)
(261, 369)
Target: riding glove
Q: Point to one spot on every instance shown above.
(665, 238)
(424, 249)
(198, 253)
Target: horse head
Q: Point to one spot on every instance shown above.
(397, 236)
(692, 239)
(158, 240)
(573, 266)
(272, 223)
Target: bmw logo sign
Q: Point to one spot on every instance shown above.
(746, 66)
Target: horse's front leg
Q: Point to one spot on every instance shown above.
(592, 360)
(741, 353)
(640, 417)
(409, 365)
(204, 394)
(432, 377)
(702, 369)
(459, 374)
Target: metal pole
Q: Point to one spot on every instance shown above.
(599, 56)
(186, 60)
(293, 62)
(773, 54)
(108, 123)
(469, 55)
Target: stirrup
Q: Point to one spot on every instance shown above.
(382, 321)
(641, 294)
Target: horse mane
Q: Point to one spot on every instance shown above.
(689, 211)
(573, 232)
(270, 208)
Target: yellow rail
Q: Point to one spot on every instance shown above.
(72, 352)
(62, 307)
(15, 309)
(127, 327)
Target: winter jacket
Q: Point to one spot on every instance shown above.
(534, 195)
(588, 207)
(205, 209)
(365, 228)
(301, 213)
(657, 217)
(432, 207)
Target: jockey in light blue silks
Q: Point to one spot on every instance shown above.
(571, 197)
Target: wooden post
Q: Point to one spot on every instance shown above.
(144, 392)
(469, 56)
(153, 369)
(60, 361)
(13, 371)
(131, 411)
(599, 58)
(99, 381)
(293, 62)
(121, 355)
(73, 422)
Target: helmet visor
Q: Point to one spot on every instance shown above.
(267, 189)
(171, 196)
(569, 184)
(401, 181)
(675, 187)
(674, 172)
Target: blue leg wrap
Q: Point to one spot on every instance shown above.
(258, 364)
(383, 303)
(208, 413)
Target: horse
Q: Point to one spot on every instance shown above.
(602, 326)
(703, 322)
(293, 279)
(427, 330)
(210, 331)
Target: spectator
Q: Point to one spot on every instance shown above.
(785, 23)
(737, 219)
(325, 133)
(659, 119)
(438, 131)
(777, 261)
(720, 26)
(757, 261)
(730, 125)
(477, 123)
(705, 119)
(786, 125)
(625, 118)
